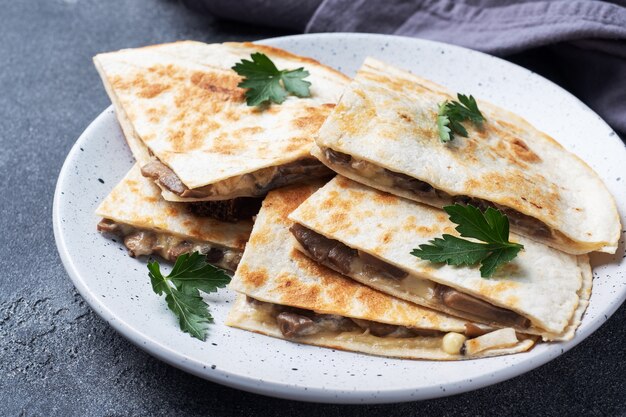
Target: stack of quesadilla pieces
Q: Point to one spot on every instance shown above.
(328, 261)
(204, 158)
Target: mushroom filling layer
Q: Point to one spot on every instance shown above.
(253, 184)
(427, 192)
(296, 322)
(351, 262)
(147, 242)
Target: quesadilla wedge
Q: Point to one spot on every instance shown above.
(369, 235)
(135, 211)
(285, 294)
(190, 129)
(384, 133)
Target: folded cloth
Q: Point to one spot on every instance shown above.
(580, 44)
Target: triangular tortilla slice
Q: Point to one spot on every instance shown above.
(289, 296)
(191, 130)
(542, 291)
(384, 133)
(135, 211)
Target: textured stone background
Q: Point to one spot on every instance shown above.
(56, 357)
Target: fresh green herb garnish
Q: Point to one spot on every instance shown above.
(452, 113)
(491, 227)
(190, 275)
(267, 83)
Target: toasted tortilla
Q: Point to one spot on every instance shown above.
(179, 104)
(548, 287)
(273, 271)
(135, 205)
(387, 119)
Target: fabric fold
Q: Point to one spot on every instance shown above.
(578, 44)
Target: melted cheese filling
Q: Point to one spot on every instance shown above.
(252, 184)
(146, 242)
(410, 287)
(427, 193)
(266, 313)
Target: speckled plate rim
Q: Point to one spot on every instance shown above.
(302, 392)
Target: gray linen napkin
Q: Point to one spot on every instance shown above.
(580, 44)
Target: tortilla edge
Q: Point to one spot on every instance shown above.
(237, 318)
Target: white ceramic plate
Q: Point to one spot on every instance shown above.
(118, 289)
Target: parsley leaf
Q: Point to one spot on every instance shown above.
(452, 250)
(191, 270)
(443, 121)
(452, 113)
(469, 108)
(190, 275)
(490, 227)
(263, 80)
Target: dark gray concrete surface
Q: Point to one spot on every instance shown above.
(57, 358)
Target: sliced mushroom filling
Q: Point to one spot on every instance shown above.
(340, 257)
(296, 323)
(253, 184)
(147, 242)
(350, 262)
(459, 301)
(427, 192)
